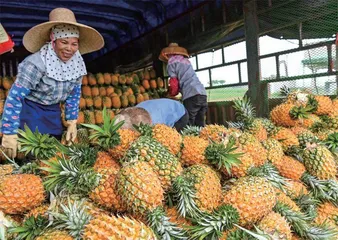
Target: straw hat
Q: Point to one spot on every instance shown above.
(173, 48)
(90, 39)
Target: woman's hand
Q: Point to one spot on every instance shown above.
(10, 142)
(71, 131)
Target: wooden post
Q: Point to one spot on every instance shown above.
(252, 49)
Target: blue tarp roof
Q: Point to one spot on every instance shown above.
(119, 21)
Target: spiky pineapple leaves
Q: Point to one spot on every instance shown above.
(162, 227)
(144, 129)
(245, 112)
(332, 142)
(42, 146)
(106, 135)
(184, 195)
(299, 223)
(325, 190)
(223, 156)
(211, 225)
(73, 177)
(31, 228)
(300, 112)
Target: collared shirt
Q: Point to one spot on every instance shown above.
(163, 111)
(43, 90)
(180, 67)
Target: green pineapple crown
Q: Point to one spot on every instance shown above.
(75, 178)
(285, 91)
(107, 135)
(245, 112)
(191, 131)
(31, 228)
(300, 112)
(331, 142)
(42, 146)
(144, 129)
(82, 153)
(223, 156)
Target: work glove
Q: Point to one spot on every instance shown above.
(10, 142)
(71, 131)
(174, 87)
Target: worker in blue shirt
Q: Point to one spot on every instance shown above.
(157, 111)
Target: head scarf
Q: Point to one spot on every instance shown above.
(55, 67)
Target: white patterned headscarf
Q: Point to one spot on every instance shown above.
(55, 67)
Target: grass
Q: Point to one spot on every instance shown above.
(225, 94)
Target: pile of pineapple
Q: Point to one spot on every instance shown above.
(254, 179)
(115, 91)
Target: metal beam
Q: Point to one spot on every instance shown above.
(252, 51)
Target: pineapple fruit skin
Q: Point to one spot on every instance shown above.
(275, 225)
(168, 137)
(164, 163)
(193, 151)
(139, 187)
(55, 234)
(253, 197)
(20, 193)
(124, 228)
(127, 137)
(320, 163)
(207, 185)
(290, 168)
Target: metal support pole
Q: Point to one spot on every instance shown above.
(252, 51)
(300, 34)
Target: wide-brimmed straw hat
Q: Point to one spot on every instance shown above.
(173, 48)
(90, 40)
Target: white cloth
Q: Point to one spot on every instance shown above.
(57, 69)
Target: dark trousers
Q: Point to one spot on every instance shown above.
(197, 107)
(182, 122)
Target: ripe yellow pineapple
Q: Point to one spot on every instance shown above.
(324, 105)
(274, 150)
(111, 227)
(127, 137)
(320, 162)
(207, 185)
(213, 132)
(175, 217)
(40, 210)
(20, 193)
(193, 151)
(55, 234)
(295, 188)
(286, 137)
(164, 163)
(326, 213)
(105, 194)
(290, 168)
(139, 188)
(280, 115)
(286, 200)
(253, 147)
(275, 225)
(253, 197)
(168, 137)
(105, 161)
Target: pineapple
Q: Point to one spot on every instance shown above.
(231, 160)
(105, 161)
(323, 105)
(327, 213)
(320, 162)
(290, 168)
(280, 115)
(164, 163)
(55, 234)
(193, 151)
(39, 210)
(245, 114)
(20, 193)
(253, 147)
(253, 197)
(191, 131)
(213, 132)
(275, 225)
(305, 138)
(286, 137)
(116, 141)
(286, 200)
(295, 189)
(111, 227)
(274, 150)
(207, 186)
(176, 218)
(139, 188)
(168, 137)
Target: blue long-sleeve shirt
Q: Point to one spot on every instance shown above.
(163, 111)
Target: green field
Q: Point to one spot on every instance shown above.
(226, 94)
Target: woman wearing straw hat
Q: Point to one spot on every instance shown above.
(52, 74)
(184, 79)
